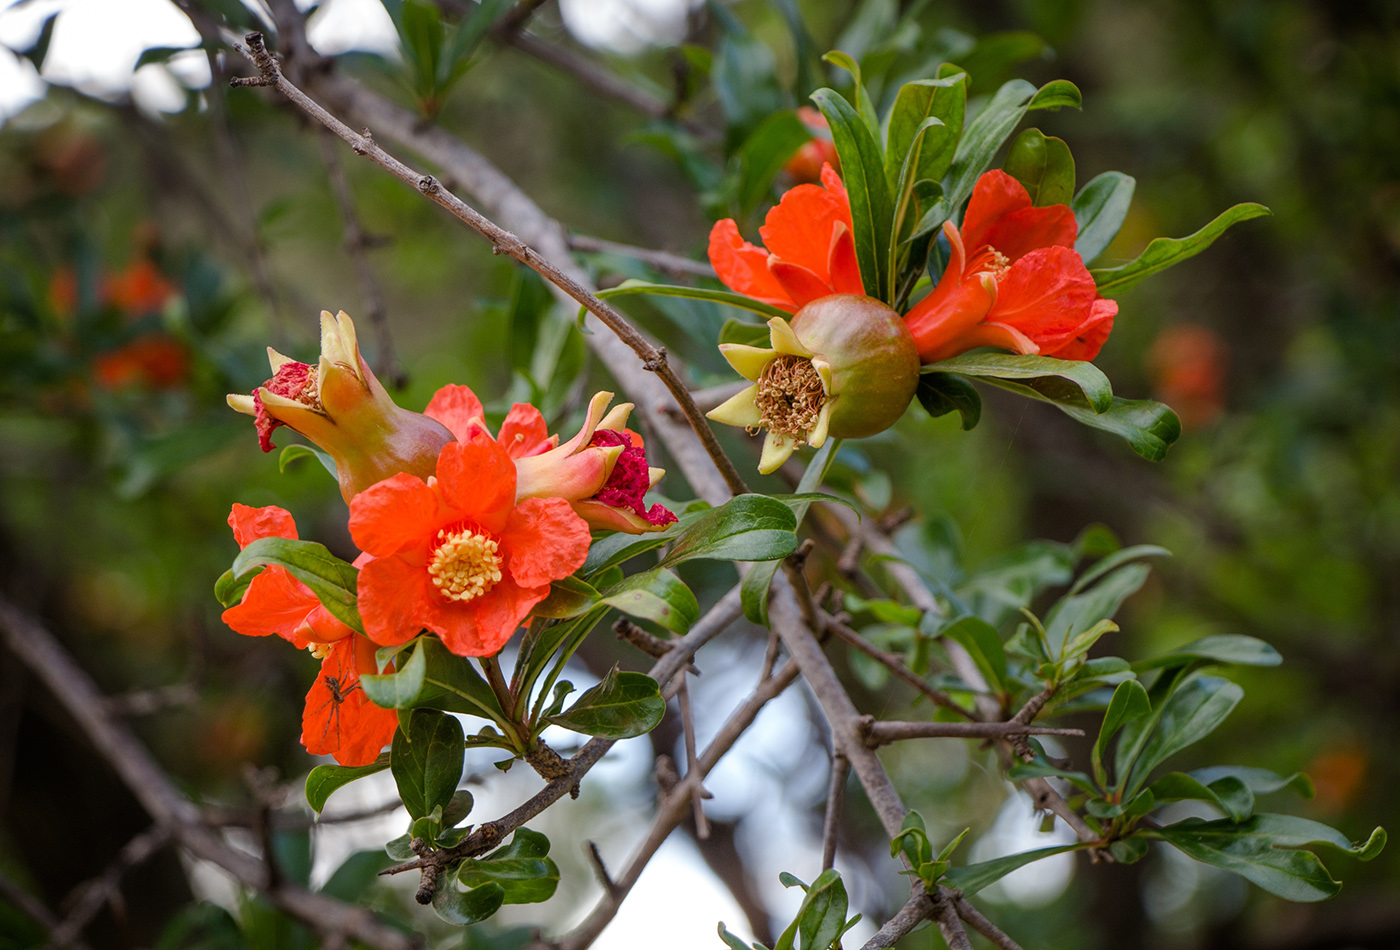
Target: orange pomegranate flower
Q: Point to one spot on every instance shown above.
(1014, 281)
(810, 251)
(806, 163)
(456, 554)
(338, 720)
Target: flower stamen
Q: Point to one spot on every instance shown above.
(464, 564)
(989, 261)
(790, 396)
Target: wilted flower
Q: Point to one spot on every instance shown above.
(602, 471)
(845, 366)
(457, 554)
(1013, 281)
(343, 408)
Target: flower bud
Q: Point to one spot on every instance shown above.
(846, 366)
(340, 405)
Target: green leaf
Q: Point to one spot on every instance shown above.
(972, 878)
(437, 678)
(746, 528)
(325, 779)
(942, 393)
(1099, 210)
(521, 869)
(1129, 702)
(656, 595)
(764, 153)
(332, 580)
(1083, 610)
(355, 876)
(620, 547)
(623, 705)
(1057, 94)
(1258, 781)
(1115, 560)
(928, 156)
(981, 640)
(1262, 850)
(1190, 714)
(1149, 427)
(864, 107)
(1232, 796)
(229, 590)
(633, 287)
(753, 589)
(822, 917)
(745, 78)
(1167, 252)
(1044, 165)
(1232, 648)
(1082, 642)
(748, 334)
(427, 761)
(458, 808)
(296, 451)
(462, 908)
(862, 171)
(1064, 382)
(733, 942)
(568, 597)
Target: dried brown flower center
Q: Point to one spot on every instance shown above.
(790, 396)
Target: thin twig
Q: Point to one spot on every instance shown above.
(883, 733)
(692, 762)
(840, 769)
(31, 907)
(975, 919)
(503, 242)
(90, 897)
(895, 665)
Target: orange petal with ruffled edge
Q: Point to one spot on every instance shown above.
(1000, 213)
(801, 284)
(524, 432)
(393, 514)
(798, 229)
(275, 604)
(476, 480)
(458, 408)
(743, 268)
(338, 719)
(482, 626)
(322, 626)
(1046, 295)
(392, 592)
(544, 541)
(251, 524)
(1085, 342)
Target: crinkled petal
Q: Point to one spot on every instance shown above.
(322, 626)
(524, 432)
(482, 626)
(777, 449)
(339, 720)
(543, 541)
(458, 408)
(393, 592)
(250, 524)
(831, 181)
(476, 480)
(738, 410)
(742, 267)
(1085, 342)
(995, 195)
(1021, 232)
(1046, 295)
(393, 514)
(275, 603)
(798, 228)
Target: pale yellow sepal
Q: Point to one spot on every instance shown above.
(786, 341)
(738, 410)
(242, 403)
(777, 449)
(748, 361)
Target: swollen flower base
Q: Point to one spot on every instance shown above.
(845, 366)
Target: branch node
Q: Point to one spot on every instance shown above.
(657, 363)
(427, 886)
(427, 184)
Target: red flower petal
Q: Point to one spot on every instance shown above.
(392, 514)
(1021, 232)
(274, 603)
(798, 228)
(842, 263)
(1086, 341)
(482, 626)
(250, 524)
(1047, 295)
(393, 592)
(801, 284)
(458, 408)
(524, 432)
(339, 719)
(995, 195)
(477, 480)
(743, 268)
(543, 541)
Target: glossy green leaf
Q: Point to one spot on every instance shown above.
(753, 589)
(863, 173)
(634, 287)
(1112, 562)
(462, 908)
(332, 580)
(1057, 94)
(764, 153)
(1149, 427)
(1228, 648)
(1230, 794)
(823, 915)
(929, 155)
(1044, 165)
(1190, 714)
(297, 451)
(656, 595)
(325, 779)
(1129, 703)
(229, 590)
(747, 334)
(864, 107)
(1168, 252)
(568, 597)
(433, 677)
(521, 869)
(746, 528)
(620, 547)
(1258, 781)
(972, 878)
(623, 705)
(1083, 610)
(355, 876)
(1264, 850)
(982, 642)
(1099, 209)
(1064, 382)
(427, 761)
(942, 393)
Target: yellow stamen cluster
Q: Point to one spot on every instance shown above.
(319, 650)
(465, 564)
(790, 396)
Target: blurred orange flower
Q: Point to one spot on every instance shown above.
(806, 164)
(1187, 365)
(155, 361)
(1339, 775)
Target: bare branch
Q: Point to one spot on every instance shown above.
(692, 763)
(895, 665)
(883, 733)
(974, 919)
(840, 769)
